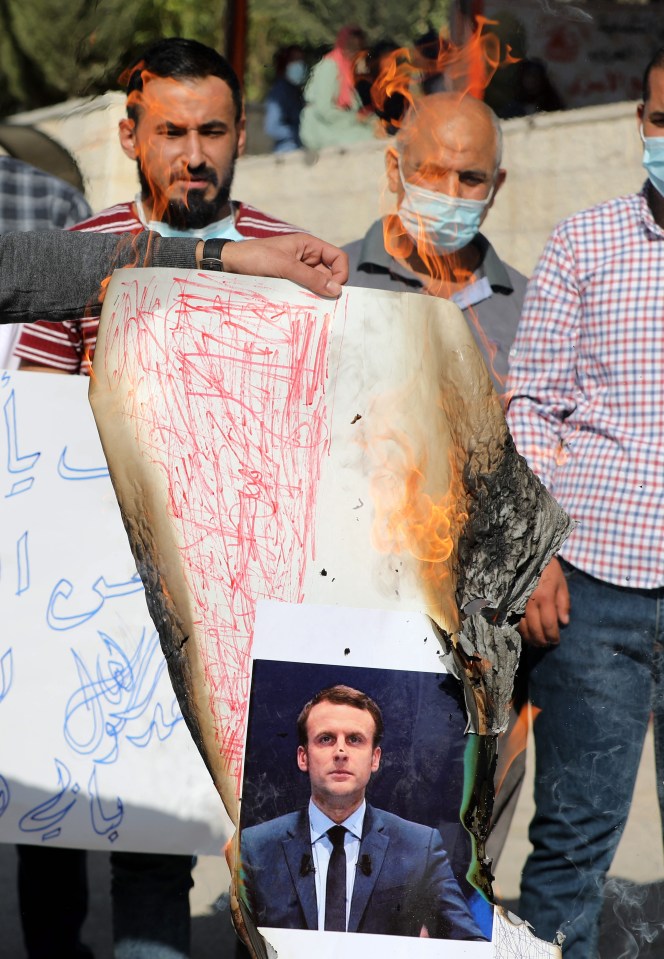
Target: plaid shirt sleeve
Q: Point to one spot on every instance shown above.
(31, 199)
(74, 209)
(542, 382)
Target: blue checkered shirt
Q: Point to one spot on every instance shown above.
(587, 387)
(33, 200)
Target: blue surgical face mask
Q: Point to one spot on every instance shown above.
(447, 223)
(296, 72)
(222, 228)
(653, 160)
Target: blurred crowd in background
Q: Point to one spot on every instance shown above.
(359, 90)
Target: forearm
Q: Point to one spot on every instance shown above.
(58, 275)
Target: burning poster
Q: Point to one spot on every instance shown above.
(266, 445)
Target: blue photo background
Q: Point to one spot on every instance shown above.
(421, 773)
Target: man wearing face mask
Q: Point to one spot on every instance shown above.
(284, 101)
(445, 171)
(587, 412)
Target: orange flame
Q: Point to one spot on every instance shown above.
(396, 77)
(417, 524)
(514, 741)
(412, 521)
(467, 67)
(490, 351)
(441, 276)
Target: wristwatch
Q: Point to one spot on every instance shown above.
(211, 259)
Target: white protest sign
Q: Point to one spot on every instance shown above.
(95, 753)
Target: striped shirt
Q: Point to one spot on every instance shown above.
(70, 346)
(587, 391)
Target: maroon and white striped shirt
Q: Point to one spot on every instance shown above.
(70, 346)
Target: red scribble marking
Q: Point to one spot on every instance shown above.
(229, 402)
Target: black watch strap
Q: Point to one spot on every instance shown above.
(211, 259)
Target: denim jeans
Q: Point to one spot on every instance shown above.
(595, 692)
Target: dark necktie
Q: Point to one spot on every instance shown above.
(335, 889)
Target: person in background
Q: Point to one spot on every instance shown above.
(534, 92)
(587, 412)
(284, 100)
(333, 114)
(381, 60)
(185, 129)
(429, 52)
(31, 199)
(444, 166)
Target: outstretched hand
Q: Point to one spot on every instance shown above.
(304, 259)
(547, 609)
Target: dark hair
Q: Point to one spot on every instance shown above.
(656, 62)
(341, 696)
(182, 59)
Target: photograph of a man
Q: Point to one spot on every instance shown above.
(341, 864)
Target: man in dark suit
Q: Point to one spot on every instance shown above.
(341, 865)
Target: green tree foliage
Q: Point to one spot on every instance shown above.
(51, 50)
(315, 23)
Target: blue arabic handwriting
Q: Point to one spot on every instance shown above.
(117, 701)
(23, 564)
(76, 473)
(47, 816)
(20, 486)
(102, 823)
(159, 727)
(15, 462)
(6, 673)
(5, 795)
(63, 590)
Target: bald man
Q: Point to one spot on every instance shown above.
(444, 167)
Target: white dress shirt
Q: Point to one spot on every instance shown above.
(321, 848)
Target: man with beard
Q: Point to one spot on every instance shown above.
(185, 128)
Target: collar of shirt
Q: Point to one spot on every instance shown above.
(645, 213)
(375, 258)
(319, 823)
